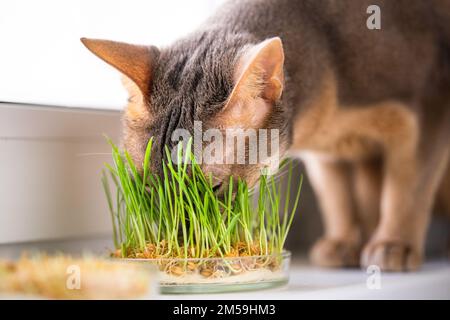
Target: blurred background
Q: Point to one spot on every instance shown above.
(56, 102)
(43, 62)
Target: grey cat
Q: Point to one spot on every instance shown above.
(367, 110)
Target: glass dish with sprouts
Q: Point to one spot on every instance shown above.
(200, 241)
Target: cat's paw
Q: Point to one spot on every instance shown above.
(391, 256)
(335, 253)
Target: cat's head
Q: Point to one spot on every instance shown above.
(231, 86)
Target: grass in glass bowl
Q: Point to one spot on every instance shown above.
(180, 223)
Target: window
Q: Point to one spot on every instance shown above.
(43, 62)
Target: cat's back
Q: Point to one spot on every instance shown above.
(377, 64)
(370, 65)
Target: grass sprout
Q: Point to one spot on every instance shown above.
(178, 215)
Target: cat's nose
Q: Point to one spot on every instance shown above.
(218, 173)
(217, 187)
(221, 189)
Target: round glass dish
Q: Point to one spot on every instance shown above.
(215, 275)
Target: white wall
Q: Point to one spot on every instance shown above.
(50, 165)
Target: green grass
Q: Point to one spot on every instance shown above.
(179, 216)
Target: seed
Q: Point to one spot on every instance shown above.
(176, 270)
(140, 255)
(219, 274)
(248, 264)
(206, 273)
(191, 266)
(274, 265)
(236, 268)
(117, 253)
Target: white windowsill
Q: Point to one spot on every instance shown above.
(306, 282)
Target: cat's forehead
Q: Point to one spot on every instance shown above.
(193, 78)
(193, 73)
(183, 91)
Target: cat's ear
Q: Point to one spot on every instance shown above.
(259, 72)
(258, 85)
(134, 61)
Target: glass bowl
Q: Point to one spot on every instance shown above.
(227, 274)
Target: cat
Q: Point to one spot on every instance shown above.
(368, 111)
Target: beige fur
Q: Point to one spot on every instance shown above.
(258, 84)
(135, 111)
(388, 212)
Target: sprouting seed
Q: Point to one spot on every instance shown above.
(178, 215)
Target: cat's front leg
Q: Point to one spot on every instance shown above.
(409, 186)
(367, 179)
(341, 243)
